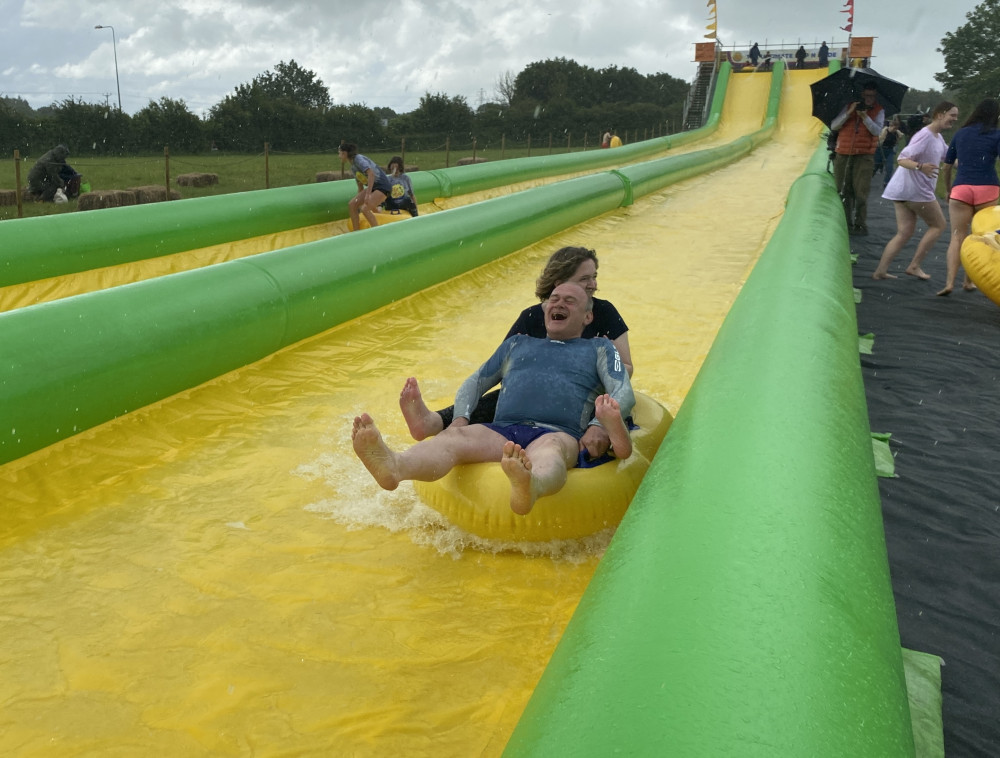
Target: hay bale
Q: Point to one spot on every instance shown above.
(153, 193)
(411, 169)
(469, 161)
(8, 197)
(333, 176)
(197, 180)
(90, 201)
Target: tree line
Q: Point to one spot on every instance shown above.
(290, 109)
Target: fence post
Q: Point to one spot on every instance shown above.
(473, 149)
(550, 143)
(166, 165)
(447, 152)
(503, 144)
(569, 141)
(402, 151)
(267, 165)
(17, 183)
(585, 142)
(529, 145)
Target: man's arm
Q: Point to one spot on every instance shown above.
(482, 380)
(842, 116)
(874, 125)
(616, 384)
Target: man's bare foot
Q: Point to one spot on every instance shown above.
(374, 453)
(883, 275)
(420, 420)
(517, 466)
(945, 292)
(609, 413)
(918, 272)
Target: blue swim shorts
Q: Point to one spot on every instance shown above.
(520, 434)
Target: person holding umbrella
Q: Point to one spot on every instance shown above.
(860, 124)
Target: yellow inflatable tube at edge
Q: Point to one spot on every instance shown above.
(981, 252)
(476, 497)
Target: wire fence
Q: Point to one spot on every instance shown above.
(115, 181)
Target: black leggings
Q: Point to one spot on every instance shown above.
(483, 414)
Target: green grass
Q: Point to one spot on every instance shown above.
(237, 173)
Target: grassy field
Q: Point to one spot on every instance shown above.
(237, 173)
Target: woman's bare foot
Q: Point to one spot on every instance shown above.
(918, 272)
(517, 466)
(374, 453)
(883, 275)
(969, 286)
(945, 292)
(420, 420)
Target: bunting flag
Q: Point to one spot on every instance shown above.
(850, 15)
(713, 19)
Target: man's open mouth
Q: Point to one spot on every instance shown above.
(558, 316)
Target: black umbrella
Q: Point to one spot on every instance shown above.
(833, 92)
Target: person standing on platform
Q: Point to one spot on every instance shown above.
(824, 56)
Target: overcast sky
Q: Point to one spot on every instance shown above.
(391, 53)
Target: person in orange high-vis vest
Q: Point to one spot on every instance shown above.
(859, 125)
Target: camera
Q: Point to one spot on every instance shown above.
(862, 107)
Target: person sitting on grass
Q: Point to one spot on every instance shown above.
(51, 173)
(550, 389)
(373, 185)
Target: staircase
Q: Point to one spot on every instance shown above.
(696, 106)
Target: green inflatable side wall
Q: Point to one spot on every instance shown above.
(81, 361)
(38, 248)
(744, 607)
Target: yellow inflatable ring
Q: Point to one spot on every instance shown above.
(981, 252)
(476, 497)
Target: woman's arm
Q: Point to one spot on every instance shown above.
(946, 173)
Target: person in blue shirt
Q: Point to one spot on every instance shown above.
(976, 147)
(550, 393)
(373, 185)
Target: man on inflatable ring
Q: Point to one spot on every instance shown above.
(548, 396)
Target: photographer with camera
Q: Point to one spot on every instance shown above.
(859, 125)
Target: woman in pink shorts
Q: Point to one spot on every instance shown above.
(976, 147)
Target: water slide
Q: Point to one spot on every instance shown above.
(212, 572)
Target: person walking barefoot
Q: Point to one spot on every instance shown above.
(976, 147)
(912, 192)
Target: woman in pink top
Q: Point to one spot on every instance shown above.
(912, 192)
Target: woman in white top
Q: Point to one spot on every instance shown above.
(912, 192)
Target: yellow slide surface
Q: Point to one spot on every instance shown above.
(217, 574)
